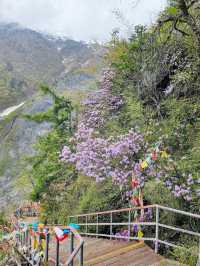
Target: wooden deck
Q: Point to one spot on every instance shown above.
(103, 252)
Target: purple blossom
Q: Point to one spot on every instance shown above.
(198, 192)
(190, 180)
(117, 157)
(168, 183)
(103, 157)
(188, 198)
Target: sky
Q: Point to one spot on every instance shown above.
(86, 20)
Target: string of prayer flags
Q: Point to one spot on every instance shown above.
(35, 227)
(40, 226)
(30, 226)
(135, 193)
(75, 226)
(154, 156)
(164, 154)
(17, 234)
(144, 164)
(157, 145)
(60, 234)
(148, 159)
(135, 201)
(35, 243)
(140, 234)
(134, 183)
(43, 244)
(41, 234)
(21, 225)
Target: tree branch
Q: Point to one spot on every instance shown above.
(190, 20)
(177, 29)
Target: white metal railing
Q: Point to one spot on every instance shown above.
(156, 224)
(73, 250)
(31, 255)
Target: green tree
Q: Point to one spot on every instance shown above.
(45, 164)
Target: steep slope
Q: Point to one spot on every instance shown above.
(28, 58)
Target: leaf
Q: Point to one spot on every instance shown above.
(172, 10)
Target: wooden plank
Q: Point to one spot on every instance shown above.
(114, 253)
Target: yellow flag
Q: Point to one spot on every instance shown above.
(43, 244)
(140, 234)
(164, 154)
(144, 164)
(40, 226)
(35, 243)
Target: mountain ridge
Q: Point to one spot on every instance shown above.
(27, 59)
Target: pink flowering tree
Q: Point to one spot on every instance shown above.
(120, 158)
(104, 157)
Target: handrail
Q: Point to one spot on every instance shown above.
(139, 208)
(155, 223)
(24, 241)
(77, 249)
(130, 223)
(74, 252)
(178, 211)
(115, 211)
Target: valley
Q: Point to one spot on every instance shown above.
(28, 59)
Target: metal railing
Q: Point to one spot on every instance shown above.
(156, 224)
(73, 250)
(25, 248)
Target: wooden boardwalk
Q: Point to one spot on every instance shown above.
(104, 252)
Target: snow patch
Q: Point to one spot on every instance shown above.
(10, 110)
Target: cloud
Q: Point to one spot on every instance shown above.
(79, 19)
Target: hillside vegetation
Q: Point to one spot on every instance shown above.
(143, 124)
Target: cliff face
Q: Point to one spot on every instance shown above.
(28, 58)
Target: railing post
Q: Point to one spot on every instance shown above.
(71, 246)
(47, 246)
(129, 225)
(21, 239)
(81, 256)
(30, 246)
(86, 223)
(157, 229)
(27, 237)
(57, 252)
(97, 226)
(24, 236)
(198, 263)
(111, 220)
